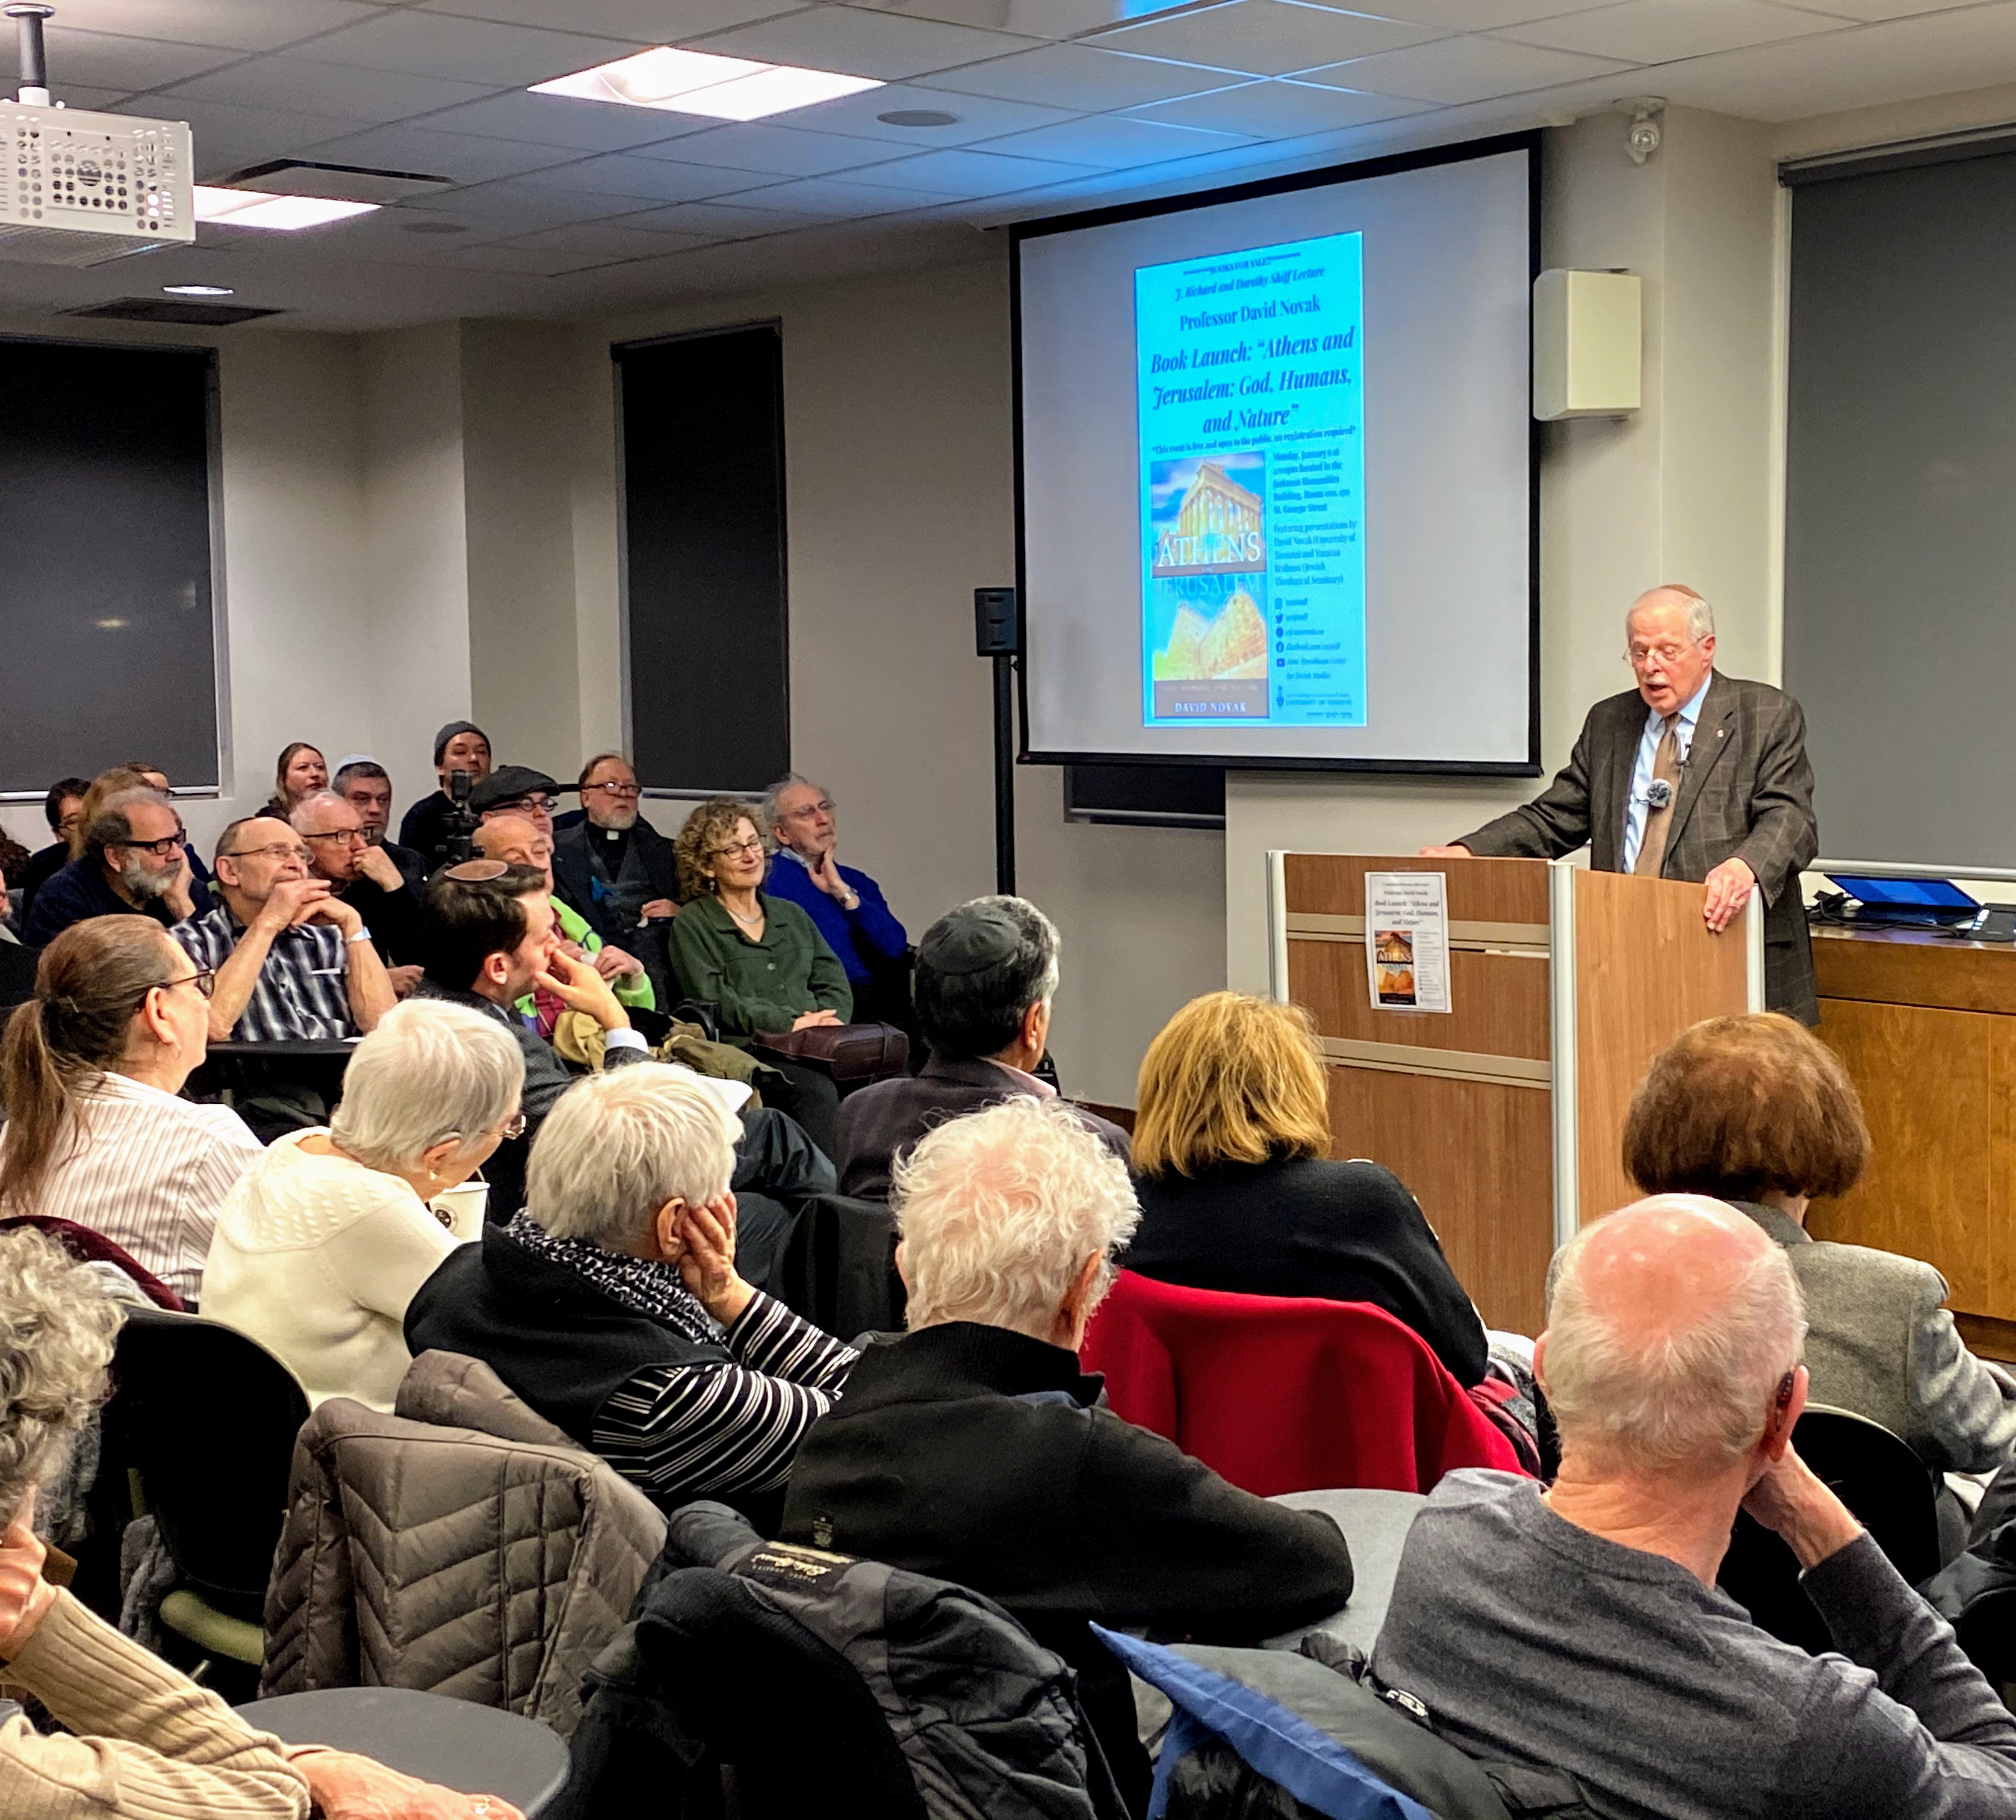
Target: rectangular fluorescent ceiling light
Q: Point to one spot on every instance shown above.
(700, 83)
(254, 208)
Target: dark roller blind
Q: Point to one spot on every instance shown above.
(703, 455)
(1900, 509)
(108, 642)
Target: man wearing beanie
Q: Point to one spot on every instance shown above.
(430, 824)
(985, 975)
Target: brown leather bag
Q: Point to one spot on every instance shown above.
(844, 1051)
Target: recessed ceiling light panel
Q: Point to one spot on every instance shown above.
(698, 82)
(918, 116)
(198, 290)
(254, 208)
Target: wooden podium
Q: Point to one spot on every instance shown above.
(1504, 1114)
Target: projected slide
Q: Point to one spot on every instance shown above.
(1251, 421)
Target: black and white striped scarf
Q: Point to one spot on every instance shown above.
(653, 1289)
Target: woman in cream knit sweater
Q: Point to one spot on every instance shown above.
(322, 1243)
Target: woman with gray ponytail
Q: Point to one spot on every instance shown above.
(90, 1070)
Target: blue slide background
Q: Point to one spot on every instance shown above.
(1251, 461)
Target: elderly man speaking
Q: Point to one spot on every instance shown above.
(1692, 774)
(1579, 1629)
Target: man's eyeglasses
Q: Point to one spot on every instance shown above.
(204, 980)
(348, 836)
(737, 852)
(549, 803)
(276, 851)
(823, 806)
(165, 848)
(614, 789)
(1638, 655)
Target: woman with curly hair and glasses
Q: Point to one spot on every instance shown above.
(92, 1070)
(759, 959)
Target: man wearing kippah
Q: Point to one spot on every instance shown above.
(985, 975)
(430, 823)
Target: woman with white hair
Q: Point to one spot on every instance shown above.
(974, 1450)
(323, 1242)
(612, 1306)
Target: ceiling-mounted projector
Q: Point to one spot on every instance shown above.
(80, 188)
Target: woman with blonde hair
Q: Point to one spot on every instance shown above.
(1239, 1193)
(300, 772)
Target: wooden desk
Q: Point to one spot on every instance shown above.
(1926, 1025)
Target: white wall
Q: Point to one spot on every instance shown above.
(1678, 491)
(899, 502)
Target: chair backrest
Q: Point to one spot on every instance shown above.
(1280, 1394)
(88, 1246)
(838, 1267)
(207, 1419)
(1877, 1476)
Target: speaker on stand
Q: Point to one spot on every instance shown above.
(997, 626)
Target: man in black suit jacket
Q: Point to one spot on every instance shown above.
(1736, 812)
(985, 977)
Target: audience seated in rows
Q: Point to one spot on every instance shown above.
(985, 977)
(1238, 1191)
(612, 1306)
(613, 868)
(1757, 1111)
(92, 1070)
(517, 790)
(300, 772)
(844, 902)
(973, 1449)
(429, 825)
(141, 1741)
(294, 962)
(1579, 1629)
(518, 839)
(133, 856)
(759, 960)
(62, 808)
(492, 941)
(322, 1243)
(369, 878)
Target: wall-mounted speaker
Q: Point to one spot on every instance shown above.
(1587, 333)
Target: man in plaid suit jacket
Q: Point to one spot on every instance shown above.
(1740, 817)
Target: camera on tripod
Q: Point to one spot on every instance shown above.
(461, 821)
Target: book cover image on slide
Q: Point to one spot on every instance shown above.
(1208, 515)
(1210, 661)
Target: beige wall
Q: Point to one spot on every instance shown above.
(899, 500)
(1681, 491)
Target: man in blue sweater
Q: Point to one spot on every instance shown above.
(846, 904)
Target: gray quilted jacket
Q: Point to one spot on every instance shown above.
(463, 1545)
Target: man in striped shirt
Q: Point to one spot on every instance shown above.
(293, 961)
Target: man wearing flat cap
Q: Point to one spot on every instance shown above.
(517, 790)
(985, 975)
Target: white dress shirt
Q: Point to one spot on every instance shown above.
(149, 1171)
(1648, 752)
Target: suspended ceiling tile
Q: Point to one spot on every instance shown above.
(288, 83)
(1663, 32)
(243, 25)
(106, 60)
(859, 43)
(1265, 37)
(971, 173)
(1050, 18)
(1280, 110)
(973, 116)
(523, 206)
(653, 179)
(1113, 142)
(226, 139)
(1482, 15)
(463, 157)
(640, 22)
(469, 50)
(831, 198)
(1085, 77)
(1458, 69)
(719, 221)
(783, 151)
(606, 239)
(1873, 10)
(558, 119)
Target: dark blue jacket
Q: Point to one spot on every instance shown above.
(80, 890)
(861, 936)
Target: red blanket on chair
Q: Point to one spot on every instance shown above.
(1284, 1395)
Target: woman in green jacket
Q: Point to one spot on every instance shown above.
(759, 958)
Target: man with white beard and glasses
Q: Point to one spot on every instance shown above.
(134, 862)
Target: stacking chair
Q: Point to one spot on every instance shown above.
(1888, 1488)
(1287, 1393)
(202, 1420)
(837, 1266)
